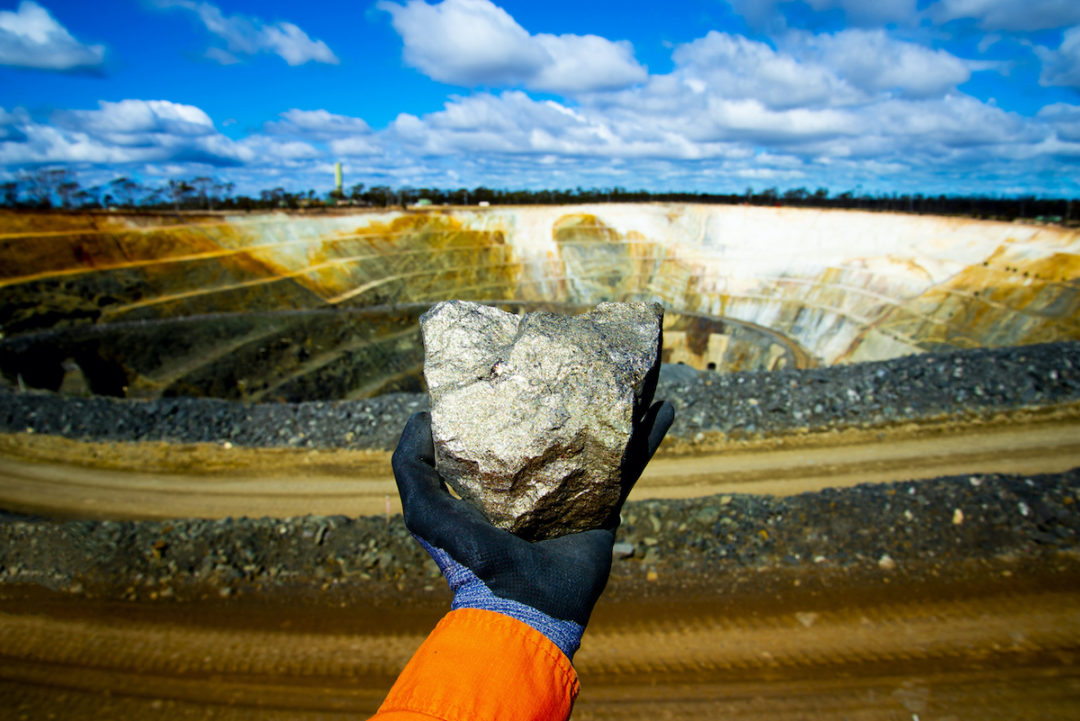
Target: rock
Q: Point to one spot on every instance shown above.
(531, 415)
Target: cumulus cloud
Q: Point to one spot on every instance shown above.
(954, 122)
(344, 135)
(130, 120)
(475, 42)
(31, 37)
(1016, 15)
(580, 63)
(136, 131)
(842, 69)
(1064, 119)
(872, 61)
(319, 124)
(354, 145)
(737, 67)
(751, 110)
(1062, 66)
(513, 125)
(9, 125)
(246, 36)
(805, 109)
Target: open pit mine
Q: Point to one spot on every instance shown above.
(868, 506)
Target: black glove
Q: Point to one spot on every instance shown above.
(551, 585)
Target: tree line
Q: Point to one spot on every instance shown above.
(50, 188)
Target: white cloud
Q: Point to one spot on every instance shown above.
(733, 66)
(262, 150)
(319, 124)
(138, 118)
(581, 63)
(9, 125)
(137, 131)
(956, 122)
(847, 68)
(245, 36)
(1062, 66)
(293, 44)
(31, 38)
(1064, 119)
(746, 108)
(873, 62)
(856, 106)
(1016, 15)
(465, 42)
(475, 42)
(355, 145)
(344, 135)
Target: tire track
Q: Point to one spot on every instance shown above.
(65, 478)
(172, 656)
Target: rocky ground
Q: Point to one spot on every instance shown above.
(882, 530)
(913, 388)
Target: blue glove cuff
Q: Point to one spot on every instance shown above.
(470, 592)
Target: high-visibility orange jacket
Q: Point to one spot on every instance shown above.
(483, 666)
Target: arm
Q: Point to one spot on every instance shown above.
(519, 608)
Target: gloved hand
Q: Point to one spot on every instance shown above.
(551, 585)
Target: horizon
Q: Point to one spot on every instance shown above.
(963, 98)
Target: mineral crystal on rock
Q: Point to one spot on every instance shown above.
(531, 416)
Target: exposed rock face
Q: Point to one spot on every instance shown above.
(531, 415)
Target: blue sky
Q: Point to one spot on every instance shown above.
(931, 96)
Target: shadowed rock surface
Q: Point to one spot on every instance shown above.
(531, 416)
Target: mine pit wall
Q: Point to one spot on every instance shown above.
(746, 287)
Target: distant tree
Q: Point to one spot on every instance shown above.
(381, 195)
(87, 198)
(272, 198)
(179, 191)
(9, 191)
(124, 191)
(204, 187)
(157, 197)
(356, 193)
(44, 184)
(67, 189)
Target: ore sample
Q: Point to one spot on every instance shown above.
(531, 416)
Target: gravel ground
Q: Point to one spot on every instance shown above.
(879, 529)
(966, 383)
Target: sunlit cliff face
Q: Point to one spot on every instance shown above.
(290, 307)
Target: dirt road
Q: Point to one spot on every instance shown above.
(960, 648)
(63, 478)
(982, 640)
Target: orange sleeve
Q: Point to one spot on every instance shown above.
(483, 666)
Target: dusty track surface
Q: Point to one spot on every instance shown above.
(64, 478)
(967, 647)
(990, 639)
